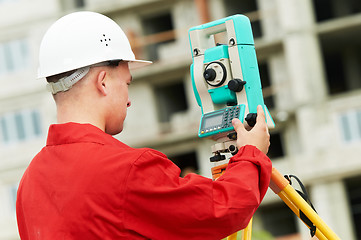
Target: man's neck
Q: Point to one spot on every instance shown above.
(79, 116)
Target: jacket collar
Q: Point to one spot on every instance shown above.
(75, 133)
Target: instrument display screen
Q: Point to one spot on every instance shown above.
(220, 121)
(213, 120)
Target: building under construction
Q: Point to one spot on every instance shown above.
(309, 55)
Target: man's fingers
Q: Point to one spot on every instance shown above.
(261, 118)
(238, 125)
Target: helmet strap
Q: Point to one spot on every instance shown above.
(65, 83)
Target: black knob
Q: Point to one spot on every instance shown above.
(251, 119)
(232, 135)
(217, 158)
(233, 149)
(209, 74)
(236, 85)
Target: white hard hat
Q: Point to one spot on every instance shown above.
(82, 39)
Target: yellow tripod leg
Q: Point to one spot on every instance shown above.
(296, 211)
(295, 202)
(310, 213)
(247, 232)
(232, 236)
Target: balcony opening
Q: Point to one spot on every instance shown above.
(158, 31)
(79, 3)
(187, 162)
(244, 7)
(276, 148)
(278, 220)
(335, 73)
(342, 59)
(71, 4)
(266, 84)
(353, 188)
(330, 9)
(170, 99)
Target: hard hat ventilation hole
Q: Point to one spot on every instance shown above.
(105, 40)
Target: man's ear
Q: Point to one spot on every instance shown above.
(102, 83)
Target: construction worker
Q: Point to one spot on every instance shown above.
(85, 184)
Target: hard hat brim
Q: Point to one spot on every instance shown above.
(134, 64)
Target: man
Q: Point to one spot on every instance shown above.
(85, 184)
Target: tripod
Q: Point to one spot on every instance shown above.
(280, 186)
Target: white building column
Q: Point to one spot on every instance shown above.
(302, 51)
(304, 64)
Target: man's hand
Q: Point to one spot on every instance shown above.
(258, 136)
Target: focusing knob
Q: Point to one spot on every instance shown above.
(209, 74)
(251, 119)
(236, 85)
(215, 74)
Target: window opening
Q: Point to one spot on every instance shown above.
(20, 126)
(350, 125)
(14, 56)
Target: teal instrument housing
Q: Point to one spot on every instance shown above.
(216, 53)
(222, 95)
(238, 55)
(198, 99)
(247, 56)
(241, 24)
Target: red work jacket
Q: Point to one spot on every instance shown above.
(85, 184)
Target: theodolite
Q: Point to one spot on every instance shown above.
(226, 81)
(227, 85)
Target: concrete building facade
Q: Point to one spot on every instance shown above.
(309, 55)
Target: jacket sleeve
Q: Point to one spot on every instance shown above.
(161, 205)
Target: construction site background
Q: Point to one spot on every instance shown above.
(309, 55)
